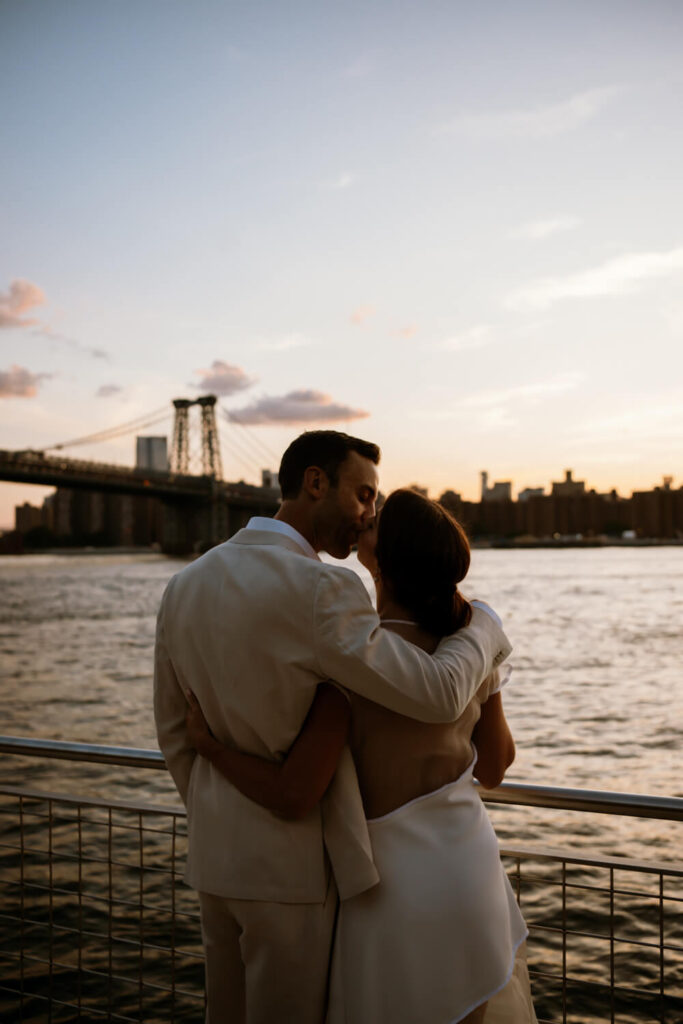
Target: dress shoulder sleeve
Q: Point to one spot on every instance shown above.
(494, 683)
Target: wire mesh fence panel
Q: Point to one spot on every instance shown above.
(605, 936)
(95, 920)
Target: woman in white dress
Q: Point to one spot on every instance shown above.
(440, 940)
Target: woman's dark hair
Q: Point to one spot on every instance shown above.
(423, 553)
(324, 448)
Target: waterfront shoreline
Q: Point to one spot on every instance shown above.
(554, 544)
(479, 543)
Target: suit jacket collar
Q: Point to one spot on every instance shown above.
(268, 538)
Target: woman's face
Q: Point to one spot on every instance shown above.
(367, 542)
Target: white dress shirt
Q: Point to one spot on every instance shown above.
(278, 526)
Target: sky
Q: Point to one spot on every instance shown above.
(455, 229)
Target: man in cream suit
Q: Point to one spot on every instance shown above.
(252, 627)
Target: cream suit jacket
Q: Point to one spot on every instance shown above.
(252, 627)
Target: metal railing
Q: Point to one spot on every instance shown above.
(95, 919)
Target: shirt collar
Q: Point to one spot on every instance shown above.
(278, 526)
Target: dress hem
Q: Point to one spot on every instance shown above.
(495, 991)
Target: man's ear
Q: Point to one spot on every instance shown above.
(316, 482)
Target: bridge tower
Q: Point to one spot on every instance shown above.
(180, 452)
(211, 456)
(210, 450)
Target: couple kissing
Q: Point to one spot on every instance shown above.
(326, 752)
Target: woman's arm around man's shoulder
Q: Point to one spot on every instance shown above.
(351, 648)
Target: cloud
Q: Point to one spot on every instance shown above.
(407, 332)
(63, 339)
(18, 382)
(342, 181)
(361, 314)
(22, 296)
(536, 230)
(107, 390)
(286, 343)
(25, 295)
(526, 393)
(656, 419)
(615, 277)
(224, 379)
(537, 122)
(473, 337)
(297, 408)
(496, 408)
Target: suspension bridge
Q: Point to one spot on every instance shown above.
(200, 508)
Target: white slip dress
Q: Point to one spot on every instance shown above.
(441, 933)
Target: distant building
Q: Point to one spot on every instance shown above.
(57, 511)
(500, 491)
(568, 487)
(151, 453)
(658, 513)
(269, 478)
(27, 517)
(530, 492)
(452, 501)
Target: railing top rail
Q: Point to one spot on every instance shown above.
(132, 757)
(634, 805)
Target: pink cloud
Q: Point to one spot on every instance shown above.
(18, 382)
(296, 408)
(25, 295)
(22, 296)
(224, 379)
(361, 314)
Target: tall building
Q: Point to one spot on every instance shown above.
(500, 491)
(568, 486)
(27, 517)
(151, 453)
(530, 492)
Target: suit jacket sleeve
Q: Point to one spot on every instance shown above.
(170, 707)
(354, 650)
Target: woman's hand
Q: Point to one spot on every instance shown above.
(198, 732)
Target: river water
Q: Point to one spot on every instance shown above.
(595, 700)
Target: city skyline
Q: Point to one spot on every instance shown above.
(141, 510)
(454, 231)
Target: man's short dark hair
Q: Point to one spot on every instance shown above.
(324, 448)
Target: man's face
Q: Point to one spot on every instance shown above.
(347, 509)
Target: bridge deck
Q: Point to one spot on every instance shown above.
(35, 468)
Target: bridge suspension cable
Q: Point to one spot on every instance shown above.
(139, 423)
(247, 447)
(262, 449)
(231, 447)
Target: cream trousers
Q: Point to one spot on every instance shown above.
(267, 963)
